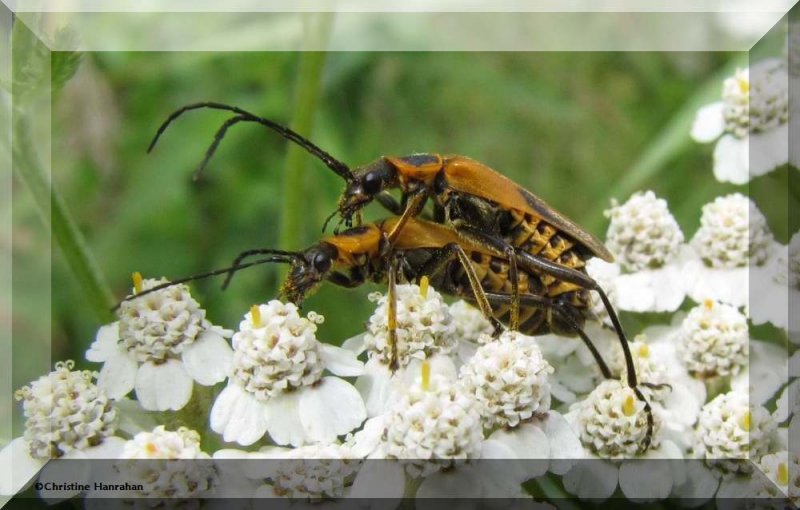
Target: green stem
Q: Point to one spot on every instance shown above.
(309, 84)
(64, 229)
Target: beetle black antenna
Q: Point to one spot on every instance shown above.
(237, 263)
(280, 257)
(338, 167)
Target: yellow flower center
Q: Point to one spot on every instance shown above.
(426, 376)
(746, 421)
(783, 474)
(423, 287)
(255, 316)
(709, 304)
(644, 351)
(629, 406)
(137, 282)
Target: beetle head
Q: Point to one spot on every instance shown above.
(367, 182)
(308, 272)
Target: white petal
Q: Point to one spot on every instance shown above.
(118, 375)
(163, 387)
(456, 483)
(110, 448)
(383, 479)
(17, 467)
(709, 123)
(283, 419)
(794, 364)
(645, 480)
(565, 446)
(783, 409)
(731, 160)
(592, 479)
(769, 150)
(331, 408)
(683, 405)
(735, 487)
(355, 344)
(655, 290)
(730, 286)
(105, 343)
(366, 440)
(700, 485)
(238, 416)
(500, 465)
(208, 359)
(74, 468)
(375, 387)
(529, 443)
(340, 361)
(767, 373)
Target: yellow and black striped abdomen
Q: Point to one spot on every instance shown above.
(543, 240)
(493, 273)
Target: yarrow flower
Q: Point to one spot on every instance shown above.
(613, 421)
(276, 382)
(613, 424)
(152, 459)
(714, 341)
(508, 378)
(647, 244)
(66, 416)
(753, 114)
(730, 430)
(425, 331)
(310, 473)
(424, 326)
(782, 469)
(161, 344)
(433, 421)
(733, 236)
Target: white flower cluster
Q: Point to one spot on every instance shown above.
(160, 324)
(508, 378)
(65, 411)
(642, 233)
(714, 340)
(154, 458)
(732, 233)
(436, 422)
(424, 325)
(751, 122)
(314, 472)
(613, 422)
(729, 428)
(275, 350)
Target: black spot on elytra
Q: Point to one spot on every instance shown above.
(419, 159)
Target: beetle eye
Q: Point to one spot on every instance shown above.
(322, 262)
(372, 183)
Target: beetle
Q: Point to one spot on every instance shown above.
(456, 266)
(482, 205)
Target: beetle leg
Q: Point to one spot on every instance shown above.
(535, 301)
(416, 202)
(389, 203)
(441, 257)
(537, 264)
(391, 321)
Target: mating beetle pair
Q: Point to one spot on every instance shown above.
(491, 242)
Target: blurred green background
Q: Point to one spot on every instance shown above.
(577, 129)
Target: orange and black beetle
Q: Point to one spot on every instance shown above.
(483, 206)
